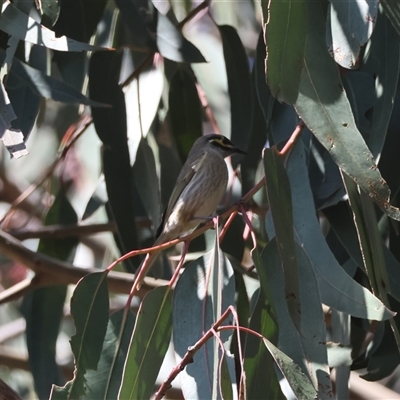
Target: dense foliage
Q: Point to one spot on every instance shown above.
(302, 274)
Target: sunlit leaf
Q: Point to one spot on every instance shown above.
(325, 109)
(300, 384)
(349, 26)
(192, 315)
(285, 26)
(16, 23)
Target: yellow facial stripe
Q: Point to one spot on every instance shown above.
(222, 142)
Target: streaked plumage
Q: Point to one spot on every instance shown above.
(199, 188)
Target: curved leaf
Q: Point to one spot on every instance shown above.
(237, 70)
(149, 343)
(285, 27)
(349, 26)
(111, 127)
(17, 24)
(212, 76)
(13, 140)
(104, 383)
(279, 199)
(392, 10)
(44, 308)
(89, 308)
(325, 109)
(337, 289)
(185, 111)
(304, 344)
(22, 74)
(172, 44)
(301, 386)
(191, 318)
(50, 10)
(258, 363)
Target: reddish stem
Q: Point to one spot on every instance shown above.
(188, 357)
(292, 140)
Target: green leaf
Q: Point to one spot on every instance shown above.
(136, 15)
(258, 135)
(349, 26)
(89, 308)
(238, 74)
(15, 23)
(111, 127)
(44, 308)
(43, 311)
(233, 243)
(365, 219)
(259, 366)
(300, 384)
(220, 363)
(285, 27)
(337, 289)
(305, 345)
(85, 16)
(149, 343)
(193, 314)
(185, 111)
(385, 359)
(13, 140)
(212, 75)
(325, 109)
(41, 84)
(225, 388)
(339, 355)
(392, 10)
(341, 221)
(382, 62)
(279, 198)
(146, 180)
(105, 382)
(50, 10)
(369, 238)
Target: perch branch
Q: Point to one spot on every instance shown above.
(50, 271)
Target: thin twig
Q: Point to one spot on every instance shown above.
(292, 140)
(62, 231)
(188, 357)
(50, 271)
(193, 13)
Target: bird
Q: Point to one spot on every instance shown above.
(198, 190)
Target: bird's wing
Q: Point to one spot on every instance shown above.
(183, 180)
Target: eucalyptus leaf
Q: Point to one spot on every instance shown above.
(15, 23)
(104, 383)
(336, 288)
(148, 345)
(325, 109)
(89, 308)
(350, 24)
(44, 308)
(285, 37)
(193, 314)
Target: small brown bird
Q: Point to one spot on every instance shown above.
(198, 190)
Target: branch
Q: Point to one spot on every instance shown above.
(61, 231)
(188, 357)
(50, 271)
